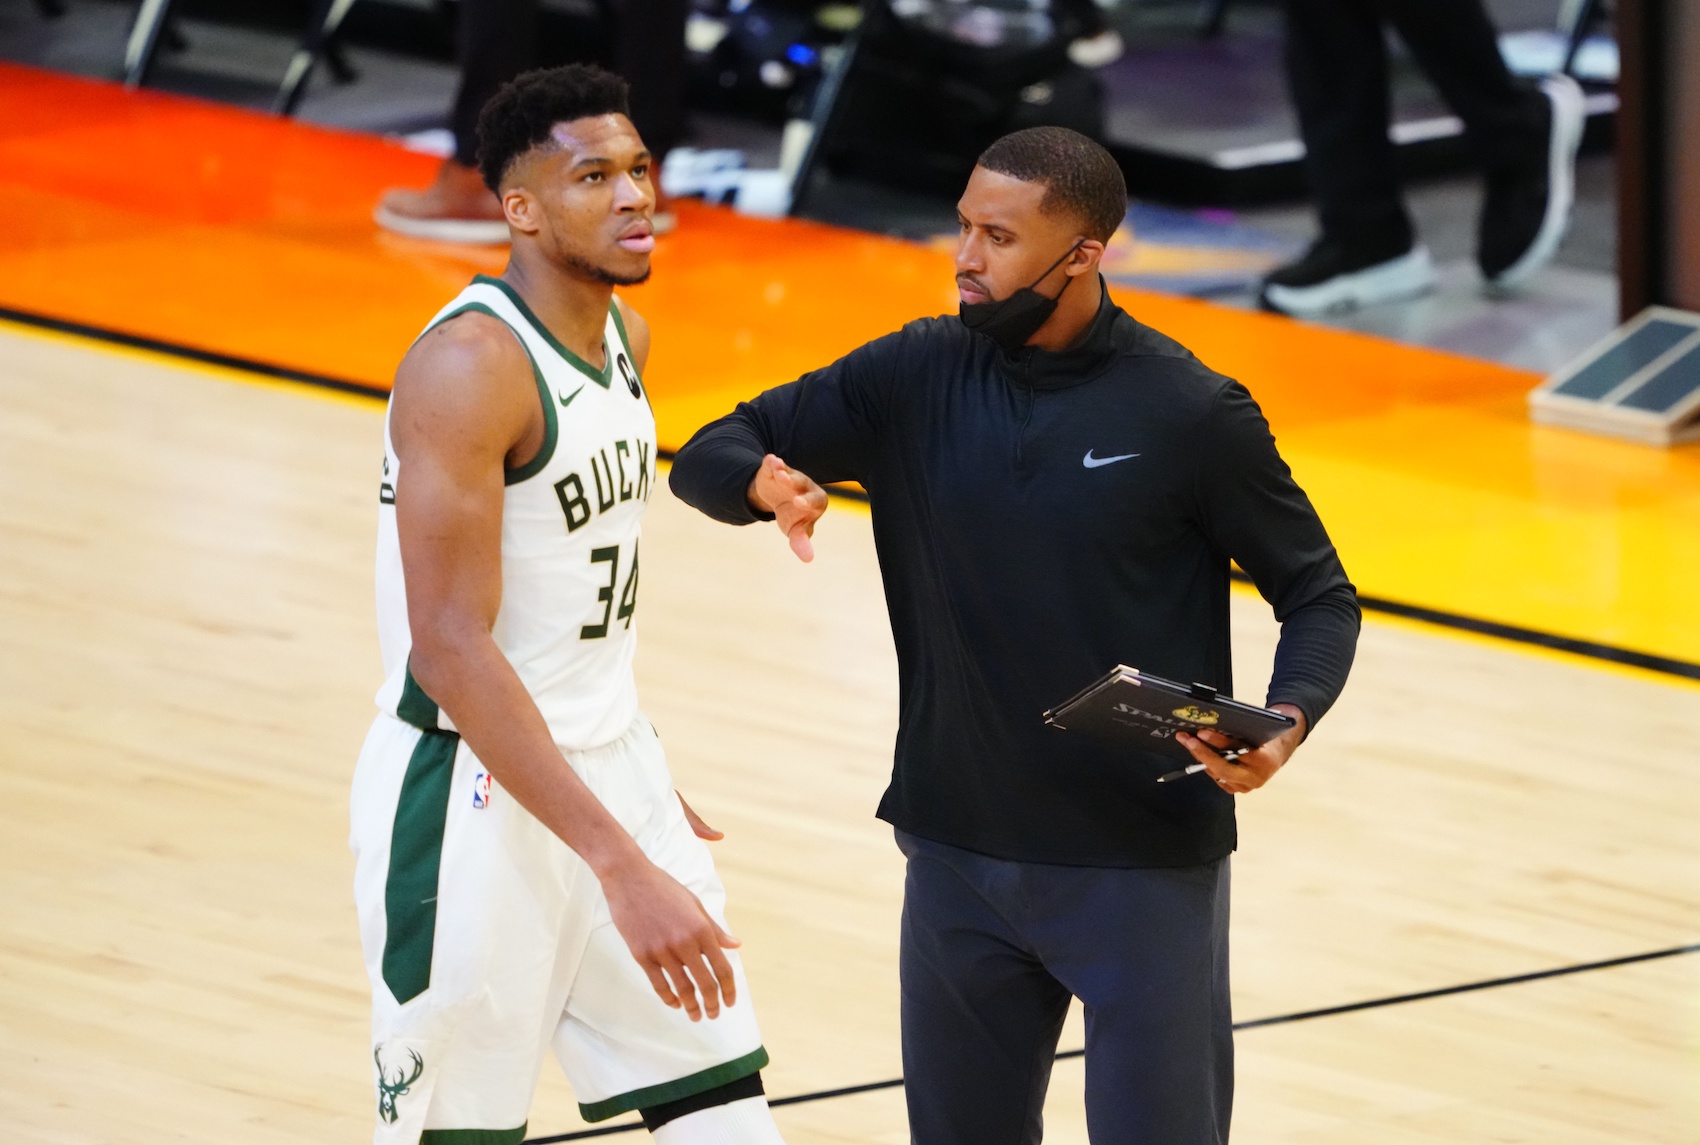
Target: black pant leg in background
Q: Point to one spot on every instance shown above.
(992, 951)
(1337, 69)
(650, 53)
(498, 40)
(1456, 45)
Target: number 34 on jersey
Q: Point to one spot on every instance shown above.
(619, 473)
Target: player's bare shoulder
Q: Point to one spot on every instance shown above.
(466, 383)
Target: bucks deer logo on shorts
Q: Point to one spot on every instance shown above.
(390, 1088)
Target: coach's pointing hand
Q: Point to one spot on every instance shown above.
(793, 498)
(672, 937)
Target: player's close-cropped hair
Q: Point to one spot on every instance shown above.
(1080, 177)
(521, 115)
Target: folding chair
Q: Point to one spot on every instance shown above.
(150, 24)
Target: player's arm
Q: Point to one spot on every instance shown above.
(465, 409)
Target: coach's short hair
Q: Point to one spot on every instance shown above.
(1079, 175)
(523, 113)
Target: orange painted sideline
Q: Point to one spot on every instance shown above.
(248, 235)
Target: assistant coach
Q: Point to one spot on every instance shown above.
(1055, 489)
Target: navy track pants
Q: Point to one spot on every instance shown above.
(992, 951)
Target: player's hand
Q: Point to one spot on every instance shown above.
(701, 829)
(1253, 769)
(673, 938)
(793, 498)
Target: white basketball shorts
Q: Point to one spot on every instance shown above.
(488, 942)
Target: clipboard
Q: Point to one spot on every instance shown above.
(1144, 712)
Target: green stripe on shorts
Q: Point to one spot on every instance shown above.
(472, 1136)
(416, 852)
(415, 707)
(701, 1082)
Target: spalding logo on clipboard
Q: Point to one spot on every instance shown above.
(1145, 712)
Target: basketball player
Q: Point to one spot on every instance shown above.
(526, 875)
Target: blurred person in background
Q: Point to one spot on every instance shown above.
(1524, 138)
(498, 40)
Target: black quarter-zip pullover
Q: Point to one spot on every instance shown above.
(1040, 519)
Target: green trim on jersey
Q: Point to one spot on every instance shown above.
(620, 325)
(603, 377)
(415, 707)
(551, 428)
(472, 1136)
(701, 1082)
(416, 854)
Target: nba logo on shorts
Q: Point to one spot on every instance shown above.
(481, 790)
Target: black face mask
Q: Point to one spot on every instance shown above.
(1011, 321)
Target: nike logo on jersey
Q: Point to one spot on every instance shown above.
(567, 399)
(1094, 462)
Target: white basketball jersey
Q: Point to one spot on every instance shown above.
(570, 523)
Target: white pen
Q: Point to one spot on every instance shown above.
(1189, 769)
(1195, 768)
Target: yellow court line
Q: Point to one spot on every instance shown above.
(231, 374)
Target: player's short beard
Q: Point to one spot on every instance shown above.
(602, 275)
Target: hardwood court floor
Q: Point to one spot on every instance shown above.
(186, 659)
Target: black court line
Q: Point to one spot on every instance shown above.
(194, 354)
(1593, 650)
(1470, 987)
(1253, 1024)
(1516, 634)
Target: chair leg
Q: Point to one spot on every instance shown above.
(828, 108)
(1587, 13)
(327, 17)
(337, 63)
(143, 43)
